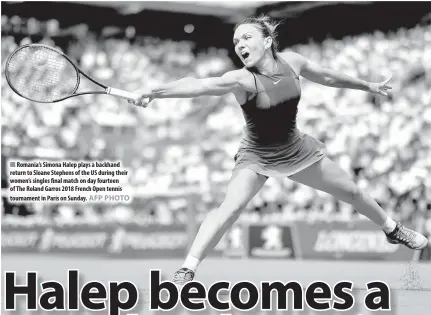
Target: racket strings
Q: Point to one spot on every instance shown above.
(42, 74)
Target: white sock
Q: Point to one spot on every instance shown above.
(191, 263)
(389, 225)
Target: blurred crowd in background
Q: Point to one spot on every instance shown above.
(181, 150)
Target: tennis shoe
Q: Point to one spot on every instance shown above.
(407, 237)
(182, 276)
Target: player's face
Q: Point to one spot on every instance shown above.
(249, 44)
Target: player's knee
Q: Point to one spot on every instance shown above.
(354, 193)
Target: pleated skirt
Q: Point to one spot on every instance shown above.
(281, 159)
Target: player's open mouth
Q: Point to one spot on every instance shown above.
(245, 55)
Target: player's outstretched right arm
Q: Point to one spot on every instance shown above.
(193, 87)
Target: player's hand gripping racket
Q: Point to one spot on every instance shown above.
(42, 74)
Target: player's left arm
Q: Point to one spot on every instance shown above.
(336, 79)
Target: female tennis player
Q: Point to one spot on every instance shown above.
(268, 90)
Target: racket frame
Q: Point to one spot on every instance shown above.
(107, 90)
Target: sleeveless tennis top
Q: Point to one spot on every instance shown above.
(270, 115)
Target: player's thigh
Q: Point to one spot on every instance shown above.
(325, 175)
(243, 186)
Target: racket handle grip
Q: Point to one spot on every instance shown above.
(122, 94)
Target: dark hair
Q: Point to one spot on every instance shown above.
(267, 26)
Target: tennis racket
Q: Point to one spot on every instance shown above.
(42, 74)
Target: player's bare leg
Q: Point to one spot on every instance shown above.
(327, 176)
(242, 187)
